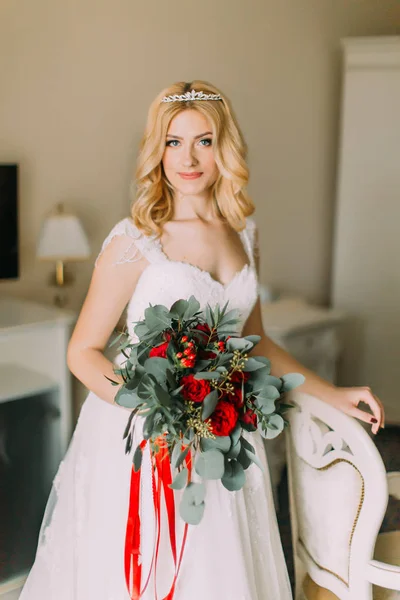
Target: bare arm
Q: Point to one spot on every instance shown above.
(346, 399)
(111, 287)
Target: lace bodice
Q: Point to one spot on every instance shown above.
(164, 281)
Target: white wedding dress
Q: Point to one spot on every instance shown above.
(235, 552)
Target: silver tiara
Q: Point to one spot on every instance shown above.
(191, 96)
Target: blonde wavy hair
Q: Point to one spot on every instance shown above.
(153, 204)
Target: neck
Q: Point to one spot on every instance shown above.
(194, 207)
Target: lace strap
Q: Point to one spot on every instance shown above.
(137, 244)
(249, 237)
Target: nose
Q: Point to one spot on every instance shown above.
(189, 158)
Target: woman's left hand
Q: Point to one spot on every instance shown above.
(347, 400)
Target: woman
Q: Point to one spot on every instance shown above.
(190, 233)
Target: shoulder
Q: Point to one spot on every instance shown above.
(125, 227)
(121, 244)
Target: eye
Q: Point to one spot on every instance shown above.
(208, 142)
(173, 143)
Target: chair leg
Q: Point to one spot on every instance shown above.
(312, 591)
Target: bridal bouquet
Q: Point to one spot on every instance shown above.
(198, 390)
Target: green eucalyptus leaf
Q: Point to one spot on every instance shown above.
(141, 329)
(177, 391)
(208, 375)
(137, 458)
(236, 433)
(234, 450)
(224, 358)
(182, 456)
(170, 378)
(246, 444)
(179, 308)
(266, 406)
(275, 426)
(180, 480)
(148, 425)
(254, 339)
(292, 380)
(221, 443)
(191, 513)
(157, 318)
(209, 404)
(236, 478)
(269, 392)
(210, 464)
(162, 395)
(243, 458)
(192, 308)
(254, 458)
(175, 453)
(191, 507)
(253, 365)
(264, 360)
(127, 399)
(241, 344)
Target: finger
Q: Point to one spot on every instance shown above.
(382, 410)
(368, 398)
(367, 418)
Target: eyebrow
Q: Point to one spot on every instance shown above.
(176, 137)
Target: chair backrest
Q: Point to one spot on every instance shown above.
(338, 496)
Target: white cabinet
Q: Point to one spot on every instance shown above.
(35, 425)
(310, 333)
(366, 258)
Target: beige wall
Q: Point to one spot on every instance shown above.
(77, 76)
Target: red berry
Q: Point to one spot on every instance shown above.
(190, 344)
(179, 355)
(184, 338)
(192, 356)
(187, 351)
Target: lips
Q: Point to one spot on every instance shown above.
(190, 175)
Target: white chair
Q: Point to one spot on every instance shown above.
(338, 492)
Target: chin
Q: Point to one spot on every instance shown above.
(191, 187)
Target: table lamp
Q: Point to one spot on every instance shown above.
(62, 239)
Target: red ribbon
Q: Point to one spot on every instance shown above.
(133, 570)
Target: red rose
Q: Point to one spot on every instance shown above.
(250, 418)
(194, 389)
(236, 398)
(223, 419)
(239, 376)
(203, 327)
(160, 350)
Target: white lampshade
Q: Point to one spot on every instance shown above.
(62, 238)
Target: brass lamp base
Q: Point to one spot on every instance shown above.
(60, 278)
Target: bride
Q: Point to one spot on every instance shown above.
(190, 233)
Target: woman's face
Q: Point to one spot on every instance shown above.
(188, 159)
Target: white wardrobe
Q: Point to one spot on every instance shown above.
(366, 252)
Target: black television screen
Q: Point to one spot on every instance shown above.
(9, 255)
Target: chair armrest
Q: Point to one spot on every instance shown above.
(384, 575)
